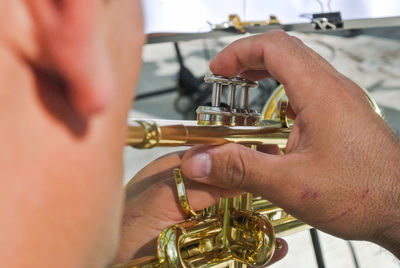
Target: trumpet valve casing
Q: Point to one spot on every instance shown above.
(237, 231)
(229, 113)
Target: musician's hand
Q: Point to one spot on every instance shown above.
(151, 205)
(341, 169)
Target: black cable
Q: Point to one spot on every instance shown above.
(188, 88)
(317, 248)
(353, 253)
(178, 54)
(155, 93)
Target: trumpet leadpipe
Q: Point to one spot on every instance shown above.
(144, 134)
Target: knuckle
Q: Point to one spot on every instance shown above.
(277, 34)
(273, 40)
(296, 40)
(235, 168)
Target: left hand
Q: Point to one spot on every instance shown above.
(151, 205)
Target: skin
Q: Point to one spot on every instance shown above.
(151, 205)
(341, 170)
(67, 70)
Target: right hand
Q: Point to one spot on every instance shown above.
(341, 169)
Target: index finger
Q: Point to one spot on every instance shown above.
(307, 76)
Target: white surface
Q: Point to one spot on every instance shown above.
(196, 15)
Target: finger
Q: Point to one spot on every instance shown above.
(237, 167)
(160, 172)
(290, 113)
(269, 149)
(307, 77)
(152, 208)
(156, 197)
(255, 75)
(347, 84)
(279, 253)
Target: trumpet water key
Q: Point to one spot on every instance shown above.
(237, 231)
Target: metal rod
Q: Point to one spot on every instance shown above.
(149, 133)
(317, 248)
(244, 98)
(353, 253)
(232, 96)
(178, 54)
(216, 95)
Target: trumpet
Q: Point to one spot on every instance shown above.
(239, 231)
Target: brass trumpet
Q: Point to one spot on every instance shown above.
(239, 231)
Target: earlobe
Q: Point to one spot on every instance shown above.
(73, 43)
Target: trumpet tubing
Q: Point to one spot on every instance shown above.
(237, 231)
(144, 134)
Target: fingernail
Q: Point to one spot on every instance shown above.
(199, 166)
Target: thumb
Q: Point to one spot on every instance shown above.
(238, 167)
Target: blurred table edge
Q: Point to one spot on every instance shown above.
(355, 24)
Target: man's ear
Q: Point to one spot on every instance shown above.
(70, 33)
